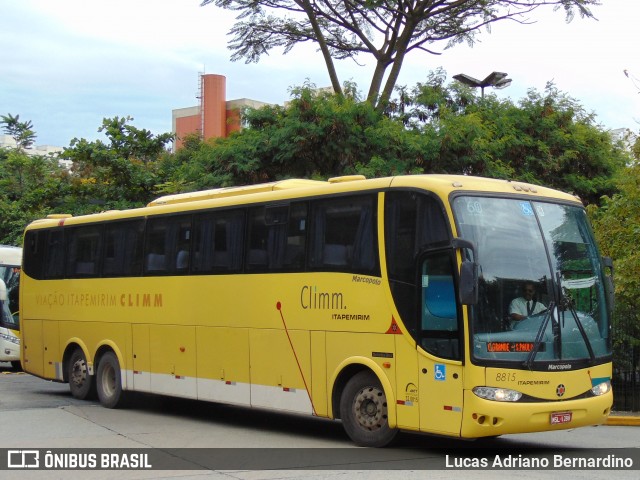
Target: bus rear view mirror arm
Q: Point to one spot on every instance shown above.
(462, 244)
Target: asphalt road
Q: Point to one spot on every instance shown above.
(244, 443)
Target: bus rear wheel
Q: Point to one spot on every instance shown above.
(109, 381)
(363, 409)
(80, 382)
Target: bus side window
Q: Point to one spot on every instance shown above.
(294, 257)
(123, 248)
(439, 314)
(54, 257)
(167, 246)
(84, 249)
(277, 236)
(218, 240)
(259, 235)
(34, 253)
(343, 235)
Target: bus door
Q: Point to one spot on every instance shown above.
(439, 346)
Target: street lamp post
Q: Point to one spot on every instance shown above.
(494, 79)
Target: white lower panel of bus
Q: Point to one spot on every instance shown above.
(236, 393)
(224, 392)
(279, 398)
(173, 385)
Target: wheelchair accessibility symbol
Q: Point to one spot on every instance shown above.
(440, 373)
(526, 209)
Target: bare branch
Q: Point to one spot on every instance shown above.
(386, 29)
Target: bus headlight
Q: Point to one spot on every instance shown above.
(10, 338)
(601, 388)
(497, 394)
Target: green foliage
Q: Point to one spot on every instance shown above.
(617, 226)
(22, 132)
(547, 138)
(30, 188)
(128, 171)
(122, 173)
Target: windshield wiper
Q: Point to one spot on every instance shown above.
(538, 341)
(567, 304)
(555, 329)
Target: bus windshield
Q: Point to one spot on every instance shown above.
(541, 291)
(11, 277)
(7, 320)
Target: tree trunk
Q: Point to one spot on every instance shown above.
(400, 51)
(392, 79)
(376, 82)
(328, 60)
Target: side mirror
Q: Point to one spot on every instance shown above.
(3, 291)
(468, 289)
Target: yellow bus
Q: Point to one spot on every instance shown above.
(389, 303)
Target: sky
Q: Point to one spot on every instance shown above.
(67, 64)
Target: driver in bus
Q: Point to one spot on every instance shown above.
(525, 305)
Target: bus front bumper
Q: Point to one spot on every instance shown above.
(486, 418)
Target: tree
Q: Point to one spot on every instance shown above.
(617, 226)
(383, 29)
(22, 132)
(547, 138)
(31, 187)
(122, 173)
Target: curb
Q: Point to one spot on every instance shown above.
(623, 420)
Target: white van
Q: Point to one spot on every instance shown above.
(10, 262)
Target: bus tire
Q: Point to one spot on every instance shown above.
(80, 382)
(109, 381)
(16, 365)
(363, 409)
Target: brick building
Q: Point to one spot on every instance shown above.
(214, 116)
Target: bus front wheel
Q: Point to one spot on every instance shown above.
(80, 382)
(363, 409)
(109, 381)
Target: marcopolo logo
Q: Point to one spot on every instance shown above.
(564, 366)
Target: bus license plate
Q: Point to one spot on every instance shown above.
(560, 417)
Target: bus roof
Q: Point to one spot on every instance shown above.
(234, 191)
(10, 256)
(443, 185)
(445, 182)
